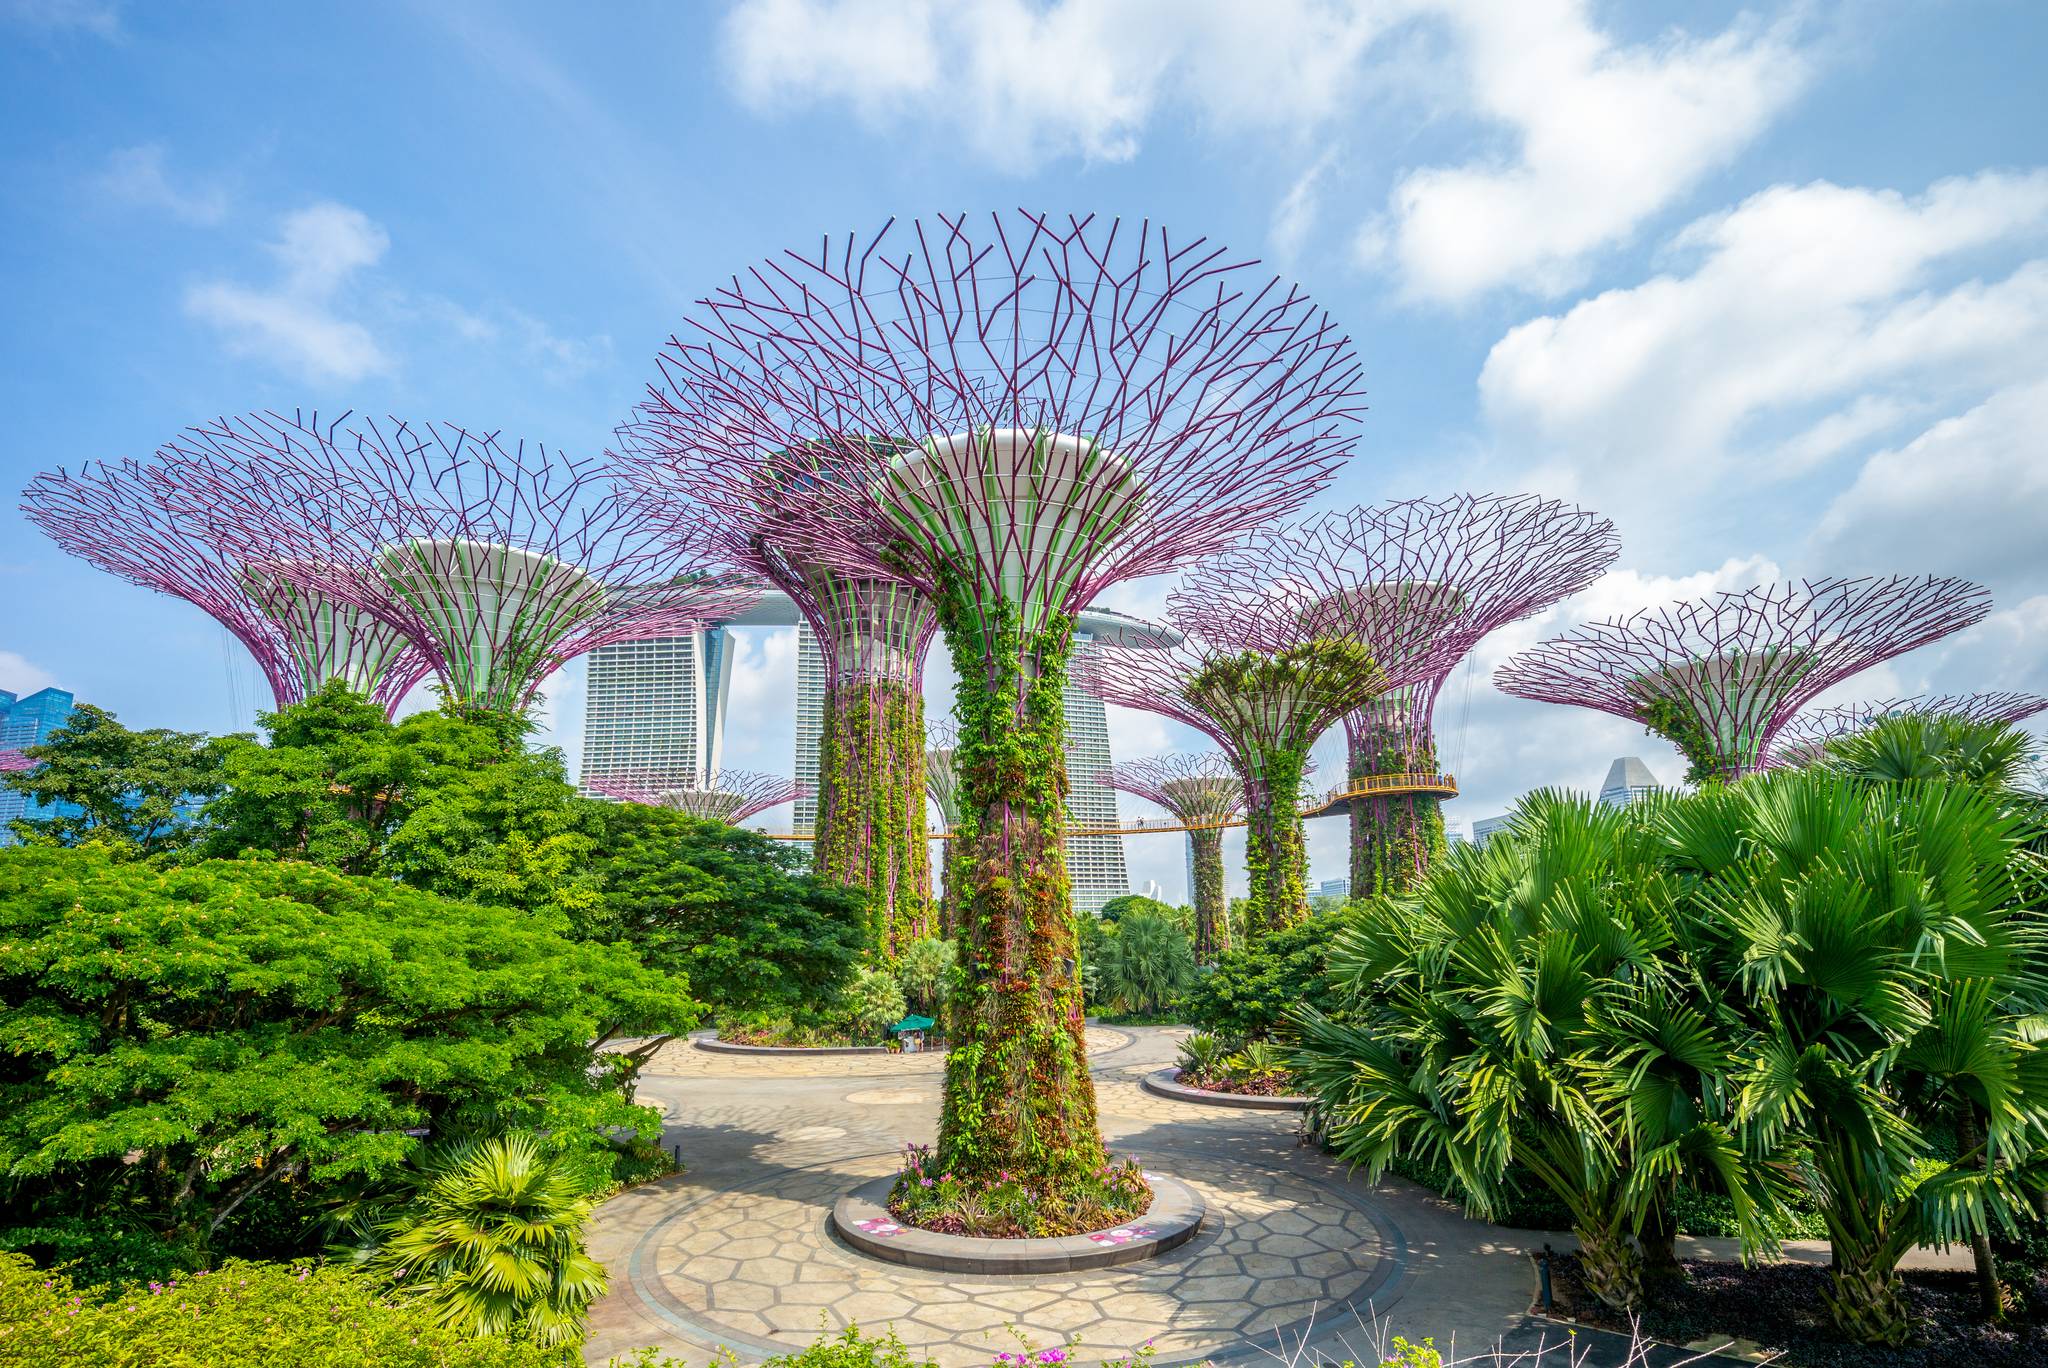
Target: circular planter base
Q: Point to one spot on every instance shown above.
(861, 1219)
(717, 1046)
(1166, 1083)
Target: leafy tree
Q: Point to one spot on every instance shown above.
(1254, 985)
(135, 791)
(174, 1042)
(489, 1233)
(726, 907)
(924, 969)
(1531, 1009)
(453, 804)
(1889, 970)
(1145, 963)
(871, 1002)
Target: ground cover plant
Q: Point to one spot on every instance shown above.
(932, 1198)
(1251, 1068)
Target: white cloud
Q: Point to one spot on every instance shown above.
(1809, 319)
(138, 176)
(1296, 214)
(1024, 83)
(21, 676)
(298, 322)
(1603, 136)
(97, 17)
(1968, 495)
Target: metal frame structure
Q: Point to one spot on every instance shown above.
(1416, 577)
(498, 563)
(1264, 704)
(730, 796)
(1721, 676)
(113, 516)
(1802, 740)
(1011, 414)
(1204, 793)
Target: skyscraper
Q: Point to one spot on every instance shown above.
(657, 707)
(26, 722)
(1628, 780)
(810, 725)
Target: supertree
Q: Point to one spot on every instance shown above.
(113, 516)
(730, 796)
(1420, 578)
(1802, 740)
(943, 784)
(1204, 795)
(1263, 694)
(1718, 677)
(873, 633)
(1011, 415)
(498, 563)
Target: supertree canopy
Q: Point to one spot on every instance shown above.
(1718, 677)
(873, 633)
(498, 563)
(1802, 740)
(1204, 794)
(1265, 706)
(1418, 578)
(1011, 414)
(730, 796)
(114, 516)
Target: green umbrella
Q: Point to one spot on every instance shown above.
(912, 1023)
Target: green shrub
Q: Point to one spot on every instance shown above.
(1144, 964)
(851, 1349)
(242, 1315)
(1252, 988)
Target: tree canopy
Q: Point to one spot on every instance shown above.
(134, 792)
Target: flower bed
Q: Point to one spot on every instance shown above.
(1782, 1308)
(946, 1204)
(1248, 1085)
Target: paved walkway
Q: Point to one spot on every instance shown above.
(735, 1254)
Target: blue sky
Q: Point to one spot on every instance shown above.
(1771, 290)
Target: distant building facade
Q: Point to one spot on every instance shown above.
(1628, 781)
(1334, 888)
(658, 707)
(1484, 827)
(26, 722)
(1094, 863)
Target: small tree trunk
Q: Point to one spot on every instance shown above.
(1613, 1269)
(1659, 1239)
(1990, 1294)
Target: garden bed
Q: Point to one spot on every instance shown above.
(716, 1045)
(1780, 1308)
(861, 1219)
(1166, 1083)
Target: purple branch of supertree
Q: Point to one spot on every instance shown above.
(1196, 788)
(1743, 662)
(1412, 580)
(1196, 401)
(730, 796)
(112, 516)
(467, 545)
(1802, 739)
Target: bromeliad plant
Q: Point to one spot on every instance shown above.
(933, 1198)
(1532, 1009)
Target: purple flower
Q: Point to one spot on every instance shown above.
(924, 1182)
(1052, 1356)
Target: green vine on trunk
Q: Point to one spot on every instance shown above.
(1394, 839)
(870, 831)
(1212, 913)
(1018, 1097)
(1680, 725)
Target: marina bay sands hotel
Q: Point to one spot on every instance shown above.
(660, 706)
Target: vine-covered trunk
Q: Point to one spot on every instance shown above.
(1018, 1097)
(1394, 839)
(871, 823)
(948, 923)
(1212, 913)
(1275, 856)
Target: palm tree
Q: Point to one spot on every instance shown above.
(1532, 1007)
(1887, 971)
(1989, 755)
(492, 1238)
(1145, 963)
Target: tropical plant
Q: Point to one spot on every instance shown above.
(1531, 1006)
(1895, 750)
(1251, 988)
(1144, 964)
(132, 792)
(871, 1001)
(1889, 971)
(1202, 1055)
(178, 1043)
(924, 969)
(489, 1233)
